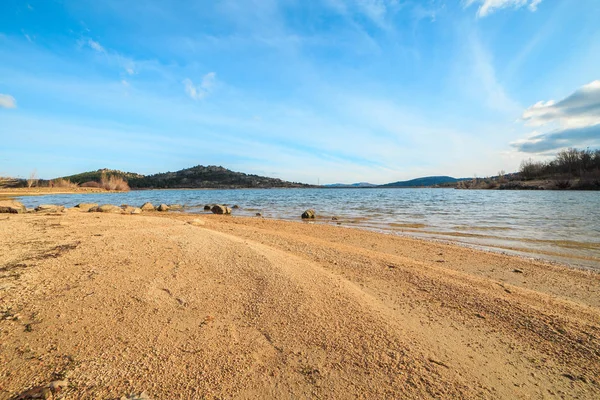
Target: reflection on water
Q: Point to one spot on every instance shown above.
(559, 225)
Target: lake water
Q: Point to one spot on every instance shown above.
(561, 226)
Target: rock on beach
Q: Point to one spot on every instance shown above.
(49, 208)
(308, 214)
(86, 206)
(147, 206)
(220, 209)
(12, 207)
(107, 208)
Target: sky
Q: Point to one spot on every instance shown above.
(310, 91)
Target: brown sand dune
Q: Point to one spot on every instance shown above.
(251, 308)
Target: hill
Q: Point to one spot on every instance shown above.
(96, 175)
(214, 177)
(425, 181)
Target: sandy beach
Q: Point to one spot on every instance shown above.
(186, 306)
(9, 193)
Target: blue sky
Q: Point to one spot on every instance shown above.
(312, 91)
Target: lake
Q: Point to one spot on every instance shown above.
(561, 226)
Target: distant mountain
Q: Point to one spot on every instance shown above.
(350, 185)
(208, 177)
(425, 181)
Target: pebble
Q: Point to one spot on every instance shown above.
(56, 386)
(141, 396)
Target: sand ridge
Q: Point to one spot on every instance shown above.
(252, 308)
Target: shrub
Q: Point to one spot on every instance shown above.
(113, 182)
(62, 183)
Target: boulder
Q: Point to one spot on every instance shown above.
(308, 214)
(162, 207)
(107, 208)
(220, 209)
(86, 206)
(49, 208)
(235, 207)
(136, 210)
(147, 207)
(258, 214)
(127, 208)
(174, 207)
(12, 206)
(207, 208)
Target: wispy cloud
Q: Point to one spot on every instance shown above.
(199, 92)
(7, 101)
(95, 46)
(376, 11)
(575, 119)
(483, 77)
(488, 7)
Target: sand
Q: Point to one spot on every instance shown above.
(228, 307)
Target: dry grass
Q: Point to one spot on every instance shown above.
(113, 182)
(62, 183)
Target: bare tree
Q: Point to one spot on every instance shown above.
(33, 179)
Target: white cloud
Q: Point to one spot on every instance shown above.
(199, 92)
(7, 101)
(487, 7)
(580, 109)
(533, 5)
(575, 121)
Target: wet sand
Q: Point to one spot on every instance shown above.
(227, 307)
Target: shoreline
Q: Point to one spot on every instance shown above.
(271, 309)
(572, 254)
(11, 193)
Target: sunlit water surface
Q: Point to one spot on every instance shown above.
(561, 226)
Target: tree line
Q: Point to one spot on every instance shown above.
(567, 164)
